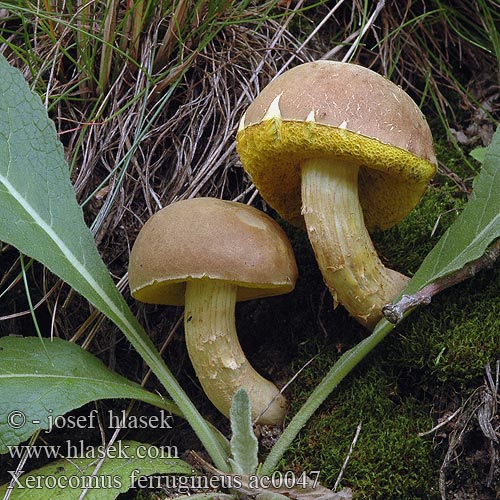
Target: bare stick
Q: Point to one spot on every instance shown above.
(346, 461)
(395, 312)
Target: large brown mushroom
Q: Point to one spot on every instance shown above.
(344, 150)
(206, 254)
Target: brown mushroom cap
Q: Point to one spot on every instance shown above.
(328, 109)
(208, 238)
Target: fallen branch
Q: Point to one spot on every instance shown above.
(395, 312)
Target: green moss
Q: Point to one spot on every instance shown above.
(454, 338)
(405, 246)
(457, 159)
(390, 460)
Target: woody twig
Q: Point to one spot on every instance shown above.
(395, 312)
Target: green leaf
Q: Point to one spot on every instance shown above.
(474, 229)
(124, 462)
(244, 444)
(39, 215)
(37, 388)
(479, 154)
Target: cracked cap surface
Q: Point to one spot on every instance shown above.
(328, 109)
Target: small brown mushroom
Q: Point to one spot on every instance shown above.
(341, 149)
(206, 254)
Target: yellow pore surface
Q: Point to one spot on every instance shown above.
(391, 180)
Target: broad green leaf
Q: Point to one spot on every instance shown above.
(244, 444)
(40, 216)
(36, 389)
(474, 229)
(124, 462)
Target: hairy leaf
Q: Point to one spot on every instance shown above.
(244, 444)
(473, 230)
(38, 385)
(125, 462)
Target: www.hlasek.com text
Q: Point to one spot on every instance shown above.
(75, 450)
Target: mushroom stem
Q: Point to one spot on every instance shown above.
(216, 354)
(346, 257)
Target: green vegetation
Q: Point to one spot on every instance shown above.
(146, 97)
(389, 460)
(456, 337)
(433, 356)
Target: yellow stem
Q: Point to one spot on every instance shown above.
(216, 354)
(347, 259)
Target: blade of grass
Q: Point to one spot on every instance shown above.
(108, 37)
